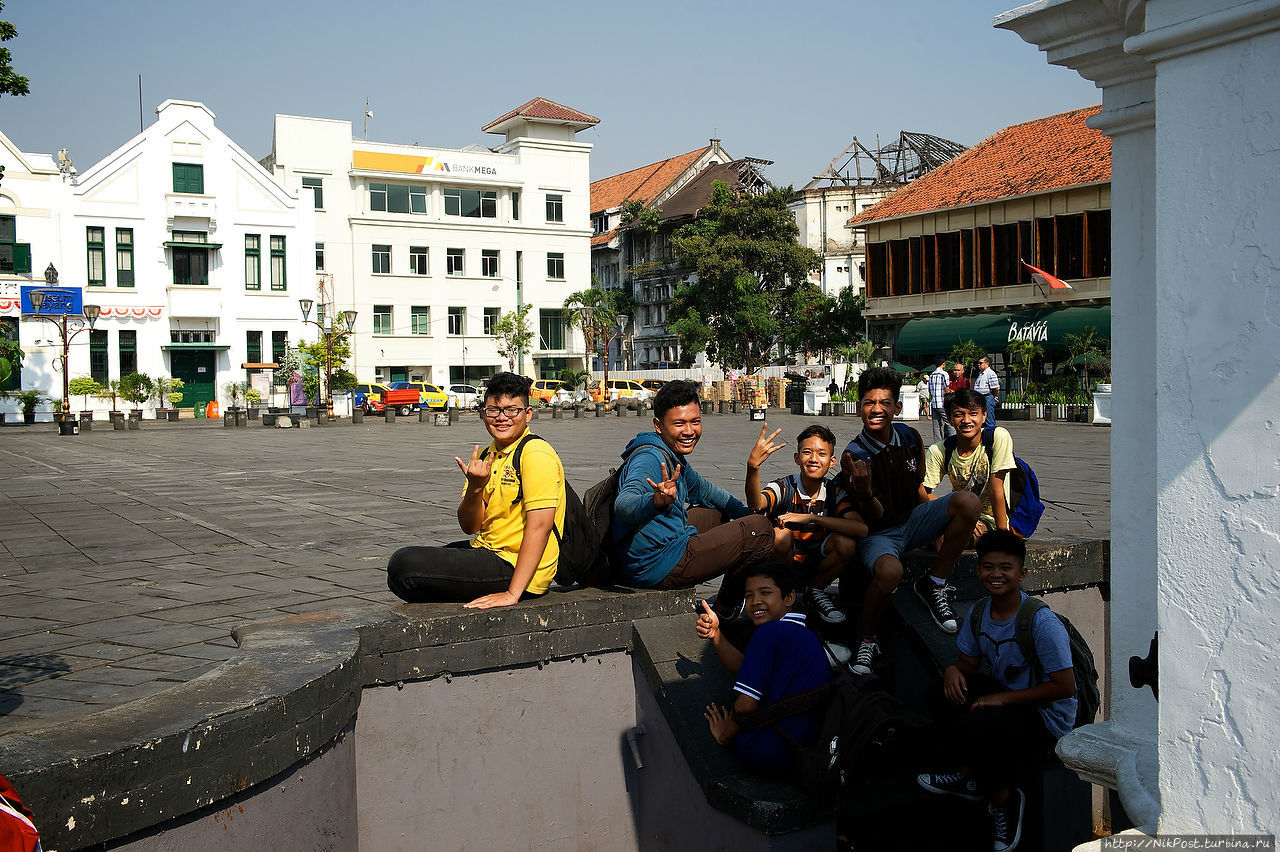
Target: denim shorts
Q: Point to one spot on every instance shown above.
(925, 523)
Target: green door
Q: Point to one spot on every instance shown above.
(196, 369)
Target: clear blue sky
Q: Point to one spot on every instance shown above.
(788, 82)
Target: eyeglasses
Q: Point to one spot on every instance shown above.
(511, 412)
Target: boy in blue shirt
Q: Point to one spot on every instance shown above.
(1007, 719)
(784, 657)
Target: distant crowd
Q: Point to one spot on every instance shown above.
(841, 519)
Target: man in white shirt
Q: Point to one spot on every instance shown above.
(938, 381)
(988, 384)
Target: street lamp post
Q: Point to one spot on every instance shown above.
(331, 337)
(66, 331)
(623, 321)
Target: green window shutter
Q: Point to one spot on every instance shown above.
(22, 257)
(179, 177)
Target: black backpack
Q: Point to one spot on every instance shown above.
(1088, 698)
(860, 724)
(581, 558)
(1021, 486)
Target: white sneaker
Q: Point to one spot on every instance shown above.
(837, 654)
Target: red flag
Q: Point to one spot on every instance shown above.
(1041, 277)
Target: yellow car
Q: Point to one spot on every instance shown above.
(429, 395)
(543, 391)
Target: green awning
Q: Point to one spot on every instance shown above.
(994, 331)
(176, 244)
(220, 347)
(903, 369)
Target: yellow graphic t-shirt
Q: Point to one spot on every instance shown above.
(973, 472)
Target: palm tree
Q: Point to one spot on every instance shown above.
(594, 311)
(1024, 352)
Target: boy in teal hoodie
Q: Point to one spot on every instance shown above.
(672, 529)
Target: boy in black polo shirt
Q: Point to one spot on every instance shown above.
(883, 472)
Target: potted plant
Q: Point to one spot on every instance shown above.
(175, 397)
(111, 391)
(82, 386)
(165, 388)
(28, 400)
(253, 398)
(235, 391)
(136, 388)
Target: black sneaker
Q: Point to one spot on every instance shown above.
(937, 600)
(1006, 820)
(820, 602)
(867, 652)
(951, 784)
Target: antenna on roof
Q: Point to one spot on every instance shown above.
(140, 127)
(368, 114)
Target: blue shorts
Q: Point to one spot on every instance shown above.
(925, 523)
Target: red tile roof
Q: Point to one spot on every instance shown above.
(544, 109)
(644, 183)
(1055, 152)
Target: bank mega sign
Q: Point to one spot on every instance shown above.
(419, 164)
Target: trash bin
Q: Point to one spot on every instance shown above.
(211, 410)
(86, 421)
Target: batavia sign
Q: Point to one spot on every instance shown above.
(1037, 332)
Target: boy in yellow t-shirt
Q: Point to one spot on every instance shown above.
(515, 511)
(971, 467)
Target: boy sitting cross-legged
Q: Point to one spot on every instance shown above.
(815, 530)
(783, 657)
(1018, 711)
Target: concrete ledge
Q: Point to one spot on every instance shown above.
(292, 687)
(1114, 758)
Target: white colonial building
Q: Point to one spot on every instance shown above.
(431, 246)
(194, 253)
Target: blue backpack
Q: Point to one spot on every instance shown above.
(1021, 487)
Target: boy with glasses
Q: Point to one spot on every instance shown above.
(514, 512)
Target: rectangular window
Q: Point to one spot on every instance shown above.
(551, 328)
(277, 263)
(381, 259)
(14, 256)
(471, 203)
(418, 260)
(555, 208)
(489, 263)
(457, 321)
(188, 177)
(190, 265)
(124, 257)
(127, 345)
(396, 198)
(95, 238)
(419, 319)
(253, 347)
(381, 319)
(454, 261)
(98, 367)
(491, 319)
(555, 265)
(317, 188)
(515, 206)
(319, 257)
(253, 261)
(279, 346)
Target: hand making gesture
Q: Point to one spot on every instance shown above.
(477, 470)
(764, 447)
(860, 477)
(708, 624)
(664, 492)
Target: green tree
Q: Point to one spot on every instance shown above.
(826, 324)
(315, 359)
(1088, 349)
(751, 277)
(83, 386)
(967, 352)
(596, 312)
(1023, 352)
(10, 356)
(513, 334)
(11, 83)
(136, 387)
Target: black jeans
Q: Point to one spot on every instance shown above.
(454, 573)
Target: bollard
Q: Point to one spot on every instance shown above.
(557, 413)
(617, 409)
(705, 405)
(579, 411)
(389, 415)
(86, 421)
(269, 419)
(425, 415)
(242, 418)
(639, 409)
(724, 406)
(228, 420)
(601, 409)
(825, 410)
(119, 424)
(357, 416)
(454, 414)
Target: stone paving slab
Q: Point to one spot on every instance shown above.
(128, 558)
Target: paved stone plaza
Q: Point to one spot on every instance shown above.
(130, 557)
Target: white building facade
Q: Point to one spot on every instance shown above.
(195, 255)
(822, 215)
(432, 246)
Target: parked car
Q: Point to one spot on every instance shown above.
(467, 396)
(543, 391)
(429, 396)
(654, 385)
(365, 391)
(622, 389)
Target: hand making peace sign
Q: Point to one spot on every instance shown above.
(664, 492)
(764, 447)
